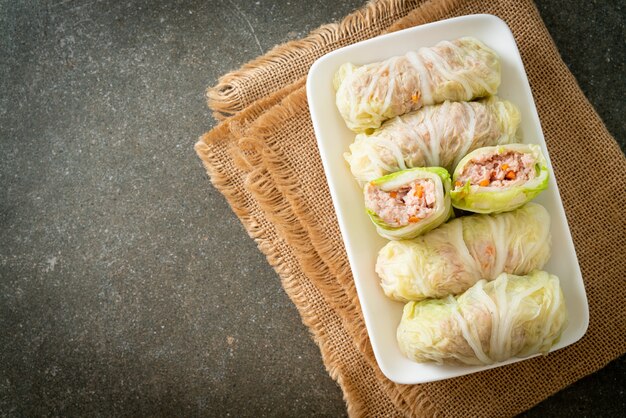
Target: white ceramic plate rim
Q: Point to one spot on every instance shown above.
(380, 314)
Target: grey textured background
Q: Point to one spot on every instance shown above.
(127, 285)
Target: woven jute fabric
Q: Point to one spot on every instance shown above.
(264, 159)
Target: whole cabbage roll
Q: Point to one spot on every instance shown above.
(408, 203)
(434, 136)
(452, 258)
(458, 70)
(498, 179)
(512, 316)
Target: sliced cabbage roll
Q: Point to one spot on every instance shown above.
(434, 136)
(458, 70)
(452, 258)
(498, 179)
(512, 316)
(408, 203)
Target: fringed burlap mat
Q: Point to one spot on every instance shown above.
(263, 157)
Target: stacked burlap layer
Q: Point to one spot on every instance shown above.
(263, 157)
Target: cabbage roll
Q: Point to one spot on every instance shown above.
(498, 179)
(512, 316)
(434, 136)
(408, 203)
(452, 258)
(460, 70)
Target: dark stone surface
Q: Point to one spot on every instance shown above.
(127, 285)
(591, 37)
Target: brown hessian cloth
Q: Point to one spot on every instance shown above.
(263, 157)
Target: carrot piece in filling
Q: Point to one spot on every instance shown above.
(393, 194)
(505, 166)
(414, 219)
(510, 175)
(484, 183)
(419, 191)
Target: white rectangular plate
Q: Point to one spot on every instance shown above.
(382, 315)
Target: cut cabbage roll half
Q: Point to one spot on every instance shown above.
(408, 203)
(434, 136)
(452, 258)
(458, 70)
(498, 179)
(512, 316)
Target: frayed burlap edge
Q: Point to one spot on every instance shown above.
(214, 149)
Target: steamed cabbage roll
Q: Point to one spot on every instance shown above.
(499, 179)
(434, 136)
(408, 203)
(458, 70)
(512, 316)
(452, 258)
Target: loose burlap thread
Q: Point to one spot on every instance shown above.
(264, 159)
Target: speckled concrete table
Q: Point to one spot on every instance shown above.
(127, 285)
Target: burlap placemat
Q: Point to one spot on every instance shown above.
(265, 161)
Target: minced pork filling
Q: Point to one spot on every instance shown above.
(407, 205)
(498, 170)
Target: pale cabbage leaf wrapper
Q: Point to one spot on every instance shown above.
(512, 316)
(434, 136)
(441, 211)
(452, 258)
(512, 193)
(458, 70)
